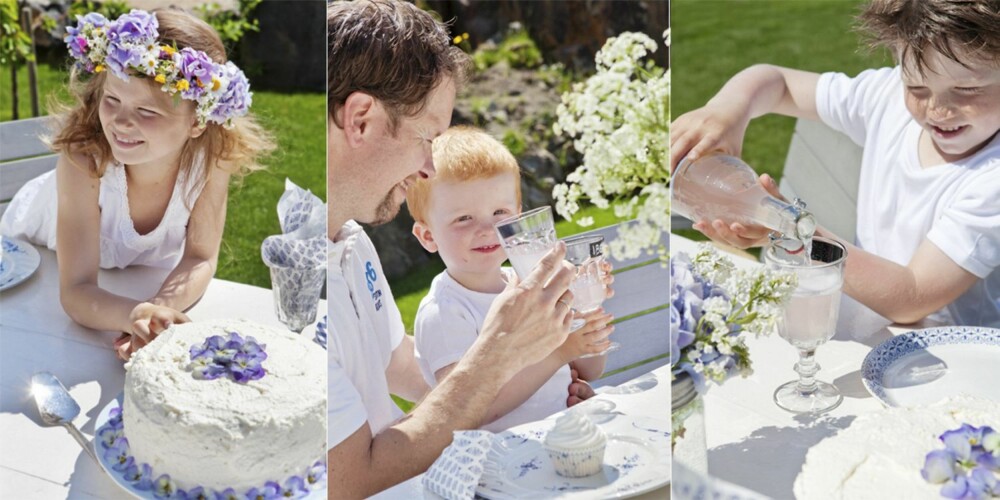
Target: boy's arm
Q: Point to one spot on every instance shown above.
(403, 373)
(589, 369)
(755, 91)
(903, 294)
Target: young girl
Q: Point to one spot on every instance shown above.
(159, 125)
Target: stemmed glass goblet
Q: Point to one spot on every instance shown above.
(586, 252)
(809, 320)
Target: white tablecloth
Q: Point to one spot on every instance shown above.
(645, 396)
(755, 444)
(41, 462)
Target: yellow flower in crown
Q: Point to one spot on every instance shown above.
(161, 78)
(182, 85)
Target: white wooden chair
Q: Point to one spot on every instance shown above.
(23, 156)
(642, 315)
(822, 168)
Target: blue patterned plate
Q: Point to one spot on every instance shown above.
(637, 460)
(317, 492)
(925, 366)
(19, 261)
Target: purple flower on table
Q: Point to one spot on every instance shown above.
(141, 475)
(294, 487)
(164, 487)
(316, 473)
(118, 456)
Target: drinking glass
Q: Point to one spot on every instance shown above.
(526, 238)
(296, 295)
(809, 320)
(587, 254)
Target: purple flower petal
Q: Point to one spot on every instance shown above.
(164, 487)
(955, 488)
(939, 466)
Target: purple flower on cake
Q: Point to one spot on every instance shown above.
(270, 491)
(294, 487)
(227, 494)
(164, 487)
(198, 493)
(118, 456)
(316, 473)
(141, 475)
(245, 368)
(115, 417)
(965, 467)
(234, 357)
(110, 436)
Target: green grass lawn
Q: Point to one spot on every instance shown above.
(713, 40)
(298, 122)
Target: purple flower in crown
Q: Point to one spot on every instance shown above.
(138, 27)
(196, 69)
(236, 98)
(76, 36)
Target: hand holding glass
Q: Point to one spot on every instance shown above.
(586, 252)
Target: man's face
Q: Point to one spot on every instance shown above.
(399, 160)
(958, 107)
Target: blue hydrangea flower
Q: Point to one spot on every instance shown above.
(236, 99)
(294, 487)
(316, 473)
(164, 487)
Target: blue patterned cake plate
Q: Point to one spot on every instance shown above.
(925, 366)
(637, 460)
(317, 492)
(20, 260)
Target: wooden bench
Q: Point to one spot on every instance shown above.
(822, 168)
(24, 156)
(642, 315)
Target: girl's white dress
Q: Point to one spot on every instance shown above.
(31, 216)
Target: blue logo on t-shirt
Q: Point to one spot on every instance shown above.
(371, 277)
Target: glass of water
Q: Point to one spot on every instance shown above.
(809, 320)
(586, 252)
(526, 238)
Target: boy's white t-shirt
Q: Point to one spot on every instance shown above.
(955, 205)
(364, 328)
(448, 321)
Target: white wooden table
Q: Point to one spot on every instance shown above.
(647, 395)
(753, 443)
(41, 462)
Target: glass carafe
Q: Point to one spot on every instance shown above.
(719, 186)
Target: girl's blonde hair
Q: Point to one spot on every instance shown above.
(237, 150)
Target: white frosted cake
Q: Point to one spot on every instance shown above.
(255, 414)
(881, 454)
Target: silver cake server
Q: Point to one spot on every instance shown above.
(57, 407)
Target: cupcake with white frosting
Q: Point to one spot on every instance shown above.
(576, 445)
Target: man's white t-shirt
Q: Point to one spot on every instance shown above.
(956, 205)
(364, 328)
(448, 322)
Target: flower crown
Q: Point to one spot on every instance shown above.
(221, 91)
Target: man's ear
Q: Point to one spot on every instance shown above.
(425, 237)
(357, 117)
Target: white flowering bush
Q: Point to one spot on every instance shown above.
(714, 307)
(619, 119)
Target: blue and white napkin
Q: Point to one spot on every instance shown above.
(455, 474)
(297, 257)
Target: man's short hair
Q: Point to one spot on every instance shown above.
(965, 31)
(391, 50)
(462, 154)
